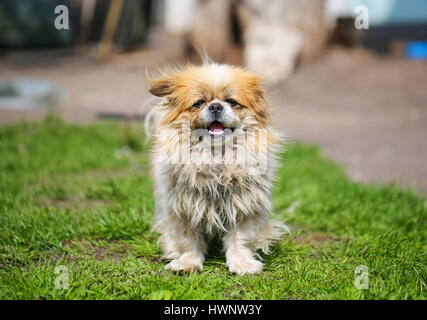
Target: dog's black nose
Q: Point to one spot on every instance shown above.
(216, 108)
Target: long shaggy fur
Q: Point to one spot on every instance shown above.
(208, 196)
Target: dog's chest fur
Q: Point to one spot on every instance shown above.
(212, 197)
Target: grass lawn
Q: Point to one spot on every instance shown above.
(81, 196)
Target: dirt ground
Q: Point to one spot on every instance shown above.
(367, 113)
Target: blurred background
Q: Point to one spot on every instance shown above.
(359, 93)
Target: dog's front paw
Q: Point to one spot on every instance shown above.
(244, 266)
(185, 263)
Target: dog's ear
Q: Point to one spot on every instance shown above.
(162, 87)
(252, 96)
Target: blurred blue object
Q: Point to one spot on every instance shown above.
(25, 94)
(416, 50)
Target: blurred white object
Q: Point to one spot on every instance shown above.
(179, 15)
(272, 50)
(279, 33)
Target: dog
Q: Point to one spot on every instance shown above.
(213, 161)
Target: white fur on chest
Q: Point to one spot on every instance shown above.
(212, 196)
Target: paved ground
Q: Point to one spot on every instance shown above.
(368, 113)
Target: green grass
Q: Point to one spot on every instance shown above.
(81, 196)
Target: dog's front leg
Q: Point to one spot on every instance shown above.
(190, 246)
(239, 255)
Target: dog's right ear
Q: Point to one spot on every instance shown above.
(162, 87)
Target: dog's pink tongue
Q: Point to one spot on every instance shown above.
(216, 128)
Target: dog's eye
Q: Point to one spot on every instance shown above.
(232, 102)
(198, 103)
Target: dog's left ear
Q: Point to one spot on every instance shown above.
(257, 102)
(162, 87)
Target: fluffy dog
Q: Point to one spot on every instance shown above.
(213, 164)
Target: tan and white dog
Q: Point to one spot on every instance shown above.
(213, 162)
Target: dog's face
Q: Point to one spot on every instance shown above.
(214, 100)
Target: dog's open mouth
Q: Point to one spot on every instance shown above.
(216, 128)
